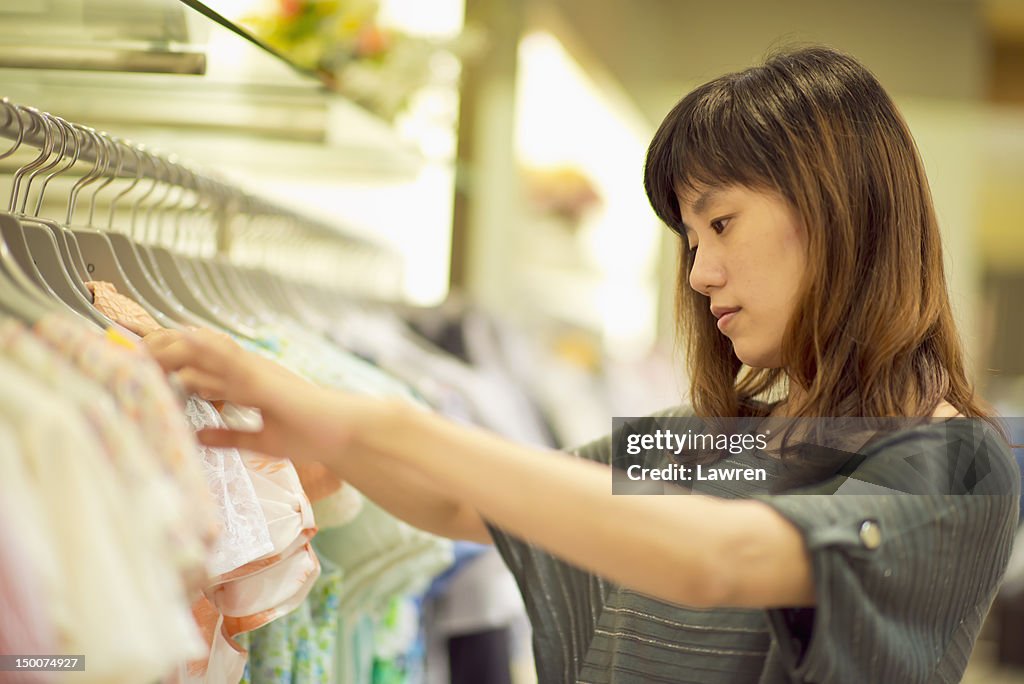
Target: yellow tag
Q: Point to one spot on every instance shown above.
(119, 339)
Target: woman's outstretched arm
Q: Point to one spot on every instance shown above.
(692, 550)
(299, 423)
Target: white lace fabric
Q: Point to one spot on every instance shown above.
(244, 534)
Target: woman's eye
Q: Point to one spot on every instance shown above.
(718, 225)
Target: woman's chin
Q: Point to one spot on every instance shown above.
(756, 358)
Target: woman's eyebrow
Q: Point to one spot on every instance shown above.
(706, 198)
(703, 201)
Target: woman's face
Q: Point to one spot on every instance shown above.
(751, 256)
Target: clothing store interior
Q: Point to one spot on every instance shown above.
(439, 202)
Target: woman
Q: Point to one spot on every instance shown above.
(811, 268)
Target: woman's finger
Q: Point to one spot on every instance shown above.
(209, 386)
(220, 438)
(216, 354)
(203, 357)
(159, 339)
(216, 367)
(173, 353)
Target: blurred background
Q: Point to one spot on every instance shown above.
(486, 156)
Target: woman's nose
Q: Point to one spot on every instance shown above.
(706, 272)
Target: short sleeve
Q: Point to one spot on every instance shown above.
(907, 554)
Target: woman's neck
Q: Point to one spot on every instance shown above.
(786, 406)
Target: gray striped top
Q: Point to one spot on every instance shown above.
(903, 582)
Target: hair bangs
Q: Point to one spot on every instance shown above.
(707, 140)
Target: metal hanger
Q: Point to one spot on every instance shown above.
(247, 296)
(163, 264)
(51, 285)
(214, 269)
(18, 296)
(175, 308)
(183, 283)
(260, 280)
(190, 315)
(41, 245)
(219, 268)
(72, 257)
(216, 273)
(162, 258)
(9, 226)
(201, 286)
(293, 299)
(171, 313)
(102, 263)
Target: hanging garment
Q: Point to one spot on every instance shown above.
(140, 389)
(121, 309)
(263, 590)
(229, 609)
(83, 508)
(245, 534)
(322, 487)
(480, 395)
(256, 592)
(248, 595)
(381, 558)
(298, 648)
(160, 516)
(404, 559)
(24, 624)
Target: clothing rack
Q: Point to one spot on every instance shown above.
(169, 248)
(230, 214)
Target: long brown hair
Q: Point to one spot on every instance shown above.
(873, 331)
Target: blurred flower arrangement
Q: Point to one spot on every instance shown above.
(564, 192)
(342, 41)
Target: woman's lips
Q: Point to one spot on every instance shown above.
(726, 318)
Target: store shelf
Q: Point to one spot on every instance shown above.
(222, 99)
(249, 118)
(220, 123)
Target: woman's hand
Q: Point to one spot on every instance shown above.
(311, 426)
(301, 421)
